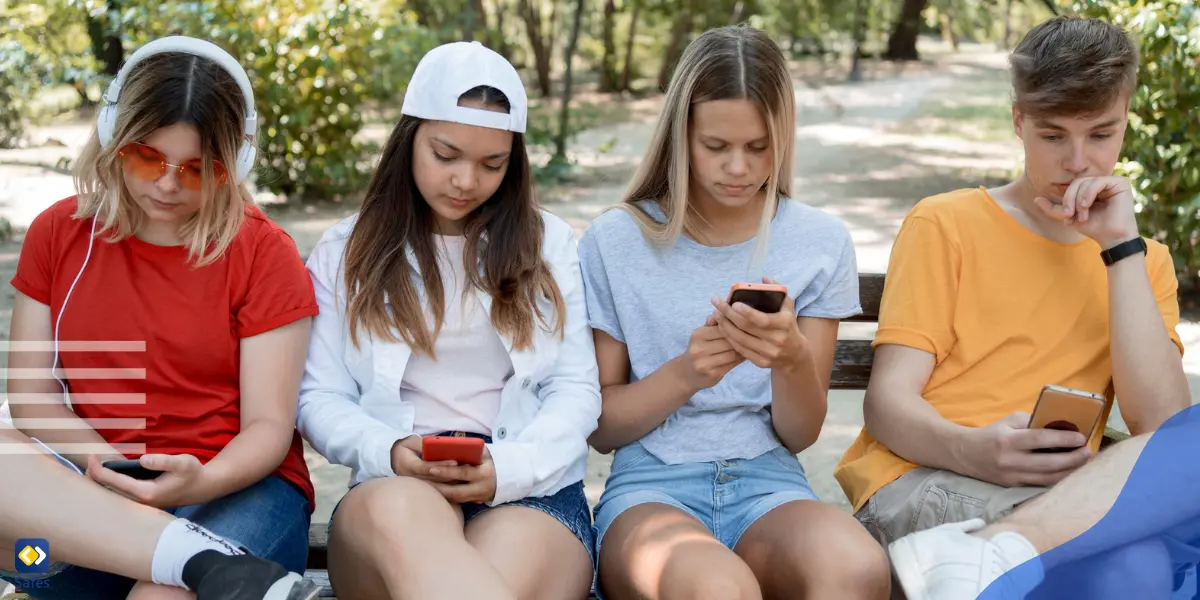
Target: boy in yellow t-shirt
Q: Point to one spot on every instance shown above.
(992, 294)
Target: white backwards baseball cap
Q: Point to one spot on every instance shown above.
(449, 70)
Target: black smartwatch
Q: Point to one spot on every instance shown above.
(1123, 250)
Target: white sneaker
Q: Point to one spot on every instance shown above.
(948, 563)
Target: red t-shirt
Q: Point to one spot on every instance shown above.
(190, 320)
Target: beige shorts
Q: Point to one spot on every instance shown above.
(925, 498)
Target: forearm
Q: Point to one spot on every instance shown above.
(1147, 371)
(56, 425)
(249, 457)
(913, 430)
(798, 402)
(632, 410)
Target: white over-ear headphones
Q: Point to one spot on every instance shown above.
(106, 122)
(106, 118)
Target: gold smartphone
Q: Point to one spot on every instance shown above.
(1067, 409)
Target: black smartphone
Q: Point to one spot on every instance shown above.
(763, 297)
(132, 468)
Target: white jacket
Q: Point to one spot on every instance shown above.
(352, 413)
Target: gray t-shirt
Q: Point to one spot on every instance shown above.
(652, 298)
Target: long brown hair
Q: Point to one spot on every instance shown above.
(504, 235)
(732, 62)
(163, 90)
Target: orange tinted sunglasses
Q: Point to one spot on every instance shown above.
(149, 164)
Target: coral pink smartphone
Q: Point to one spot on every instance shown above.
(463, 450)
(763, 297)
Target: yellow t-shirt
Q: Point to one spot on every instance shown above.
(1004, 310)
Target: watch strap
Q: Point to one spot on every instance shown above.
(1123, 250)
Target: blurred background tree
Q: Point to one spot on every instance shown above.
(330, 74)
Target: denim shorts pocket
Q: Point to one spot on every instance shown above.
(629, 456)
(786, 460)
(938, 506)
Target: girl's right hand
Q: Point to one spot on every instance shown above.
(708, 357)
(407, 462)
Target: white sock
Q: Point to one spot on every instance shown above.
(179, 542)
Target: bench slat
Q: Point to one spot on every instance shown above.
(851, 365)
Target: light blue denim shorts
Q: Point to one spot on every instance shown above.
(727, 496)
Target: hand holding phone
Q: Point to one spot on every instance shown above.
(132, 468)
(462, 450)
(768, 338)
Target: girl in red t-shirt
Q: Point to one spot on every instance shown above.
(160, 316)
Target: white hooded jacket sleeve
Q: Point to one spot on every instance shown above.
(329, 414)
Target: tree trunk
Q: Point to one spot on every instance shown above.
(502, 46)
(1007, 24)
(679, 33)
(625, 69)
(541, 54)
(564, 117)
(738, 9)
(860, 31)
(106, 47)
(902, 44)
(608, 63)
(948, 30)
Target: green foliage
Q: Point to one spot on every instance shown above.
(315, 66)
(16, 85)
(1162, 147)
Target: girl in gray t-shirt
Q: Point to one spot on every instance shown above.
(706, 404)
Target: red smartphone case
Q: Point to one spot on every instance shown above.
(463, 450)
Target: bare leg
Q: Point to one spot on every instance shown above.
(552, 563)
(808, 549)
(397, 538)
(656, 551)
(1083, 498)
(78, 517)
(152, 591)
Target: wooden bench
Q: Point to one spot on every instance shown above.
(851, 371)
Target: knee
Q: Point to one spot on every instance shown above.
(150, 591)
(731, 583)
(854, 566)
(382, 507)
(1141, 570)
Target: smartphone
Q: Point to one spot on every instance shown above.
(763, 297)
(463, 450)
(132, 468)
(1067, 409)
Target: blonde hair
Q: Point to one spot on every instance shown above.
(733, 62)
(161, 91)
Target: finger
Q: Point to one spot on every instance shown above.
(1055, 462)
(1050, 209)
(720, 361)
(460, 492)
(711, 321)
(1036, 439)
(1071, 196)
(756, 320)
(1017, 420)
(123, 484)
(727, 312)
(459, 473)
(740, 342)
(708, 333)
(165, 462)
(747, 343)
(716, 346)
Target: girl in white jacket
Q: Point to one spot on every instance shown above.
(451, 305)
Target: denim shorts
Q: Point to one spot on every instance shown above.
(727, 496)
(270, 519)
(568, 506)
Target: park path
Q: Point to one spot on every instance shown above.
(865, 152)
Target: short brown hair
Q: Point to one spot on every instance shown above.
(1073, 66)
